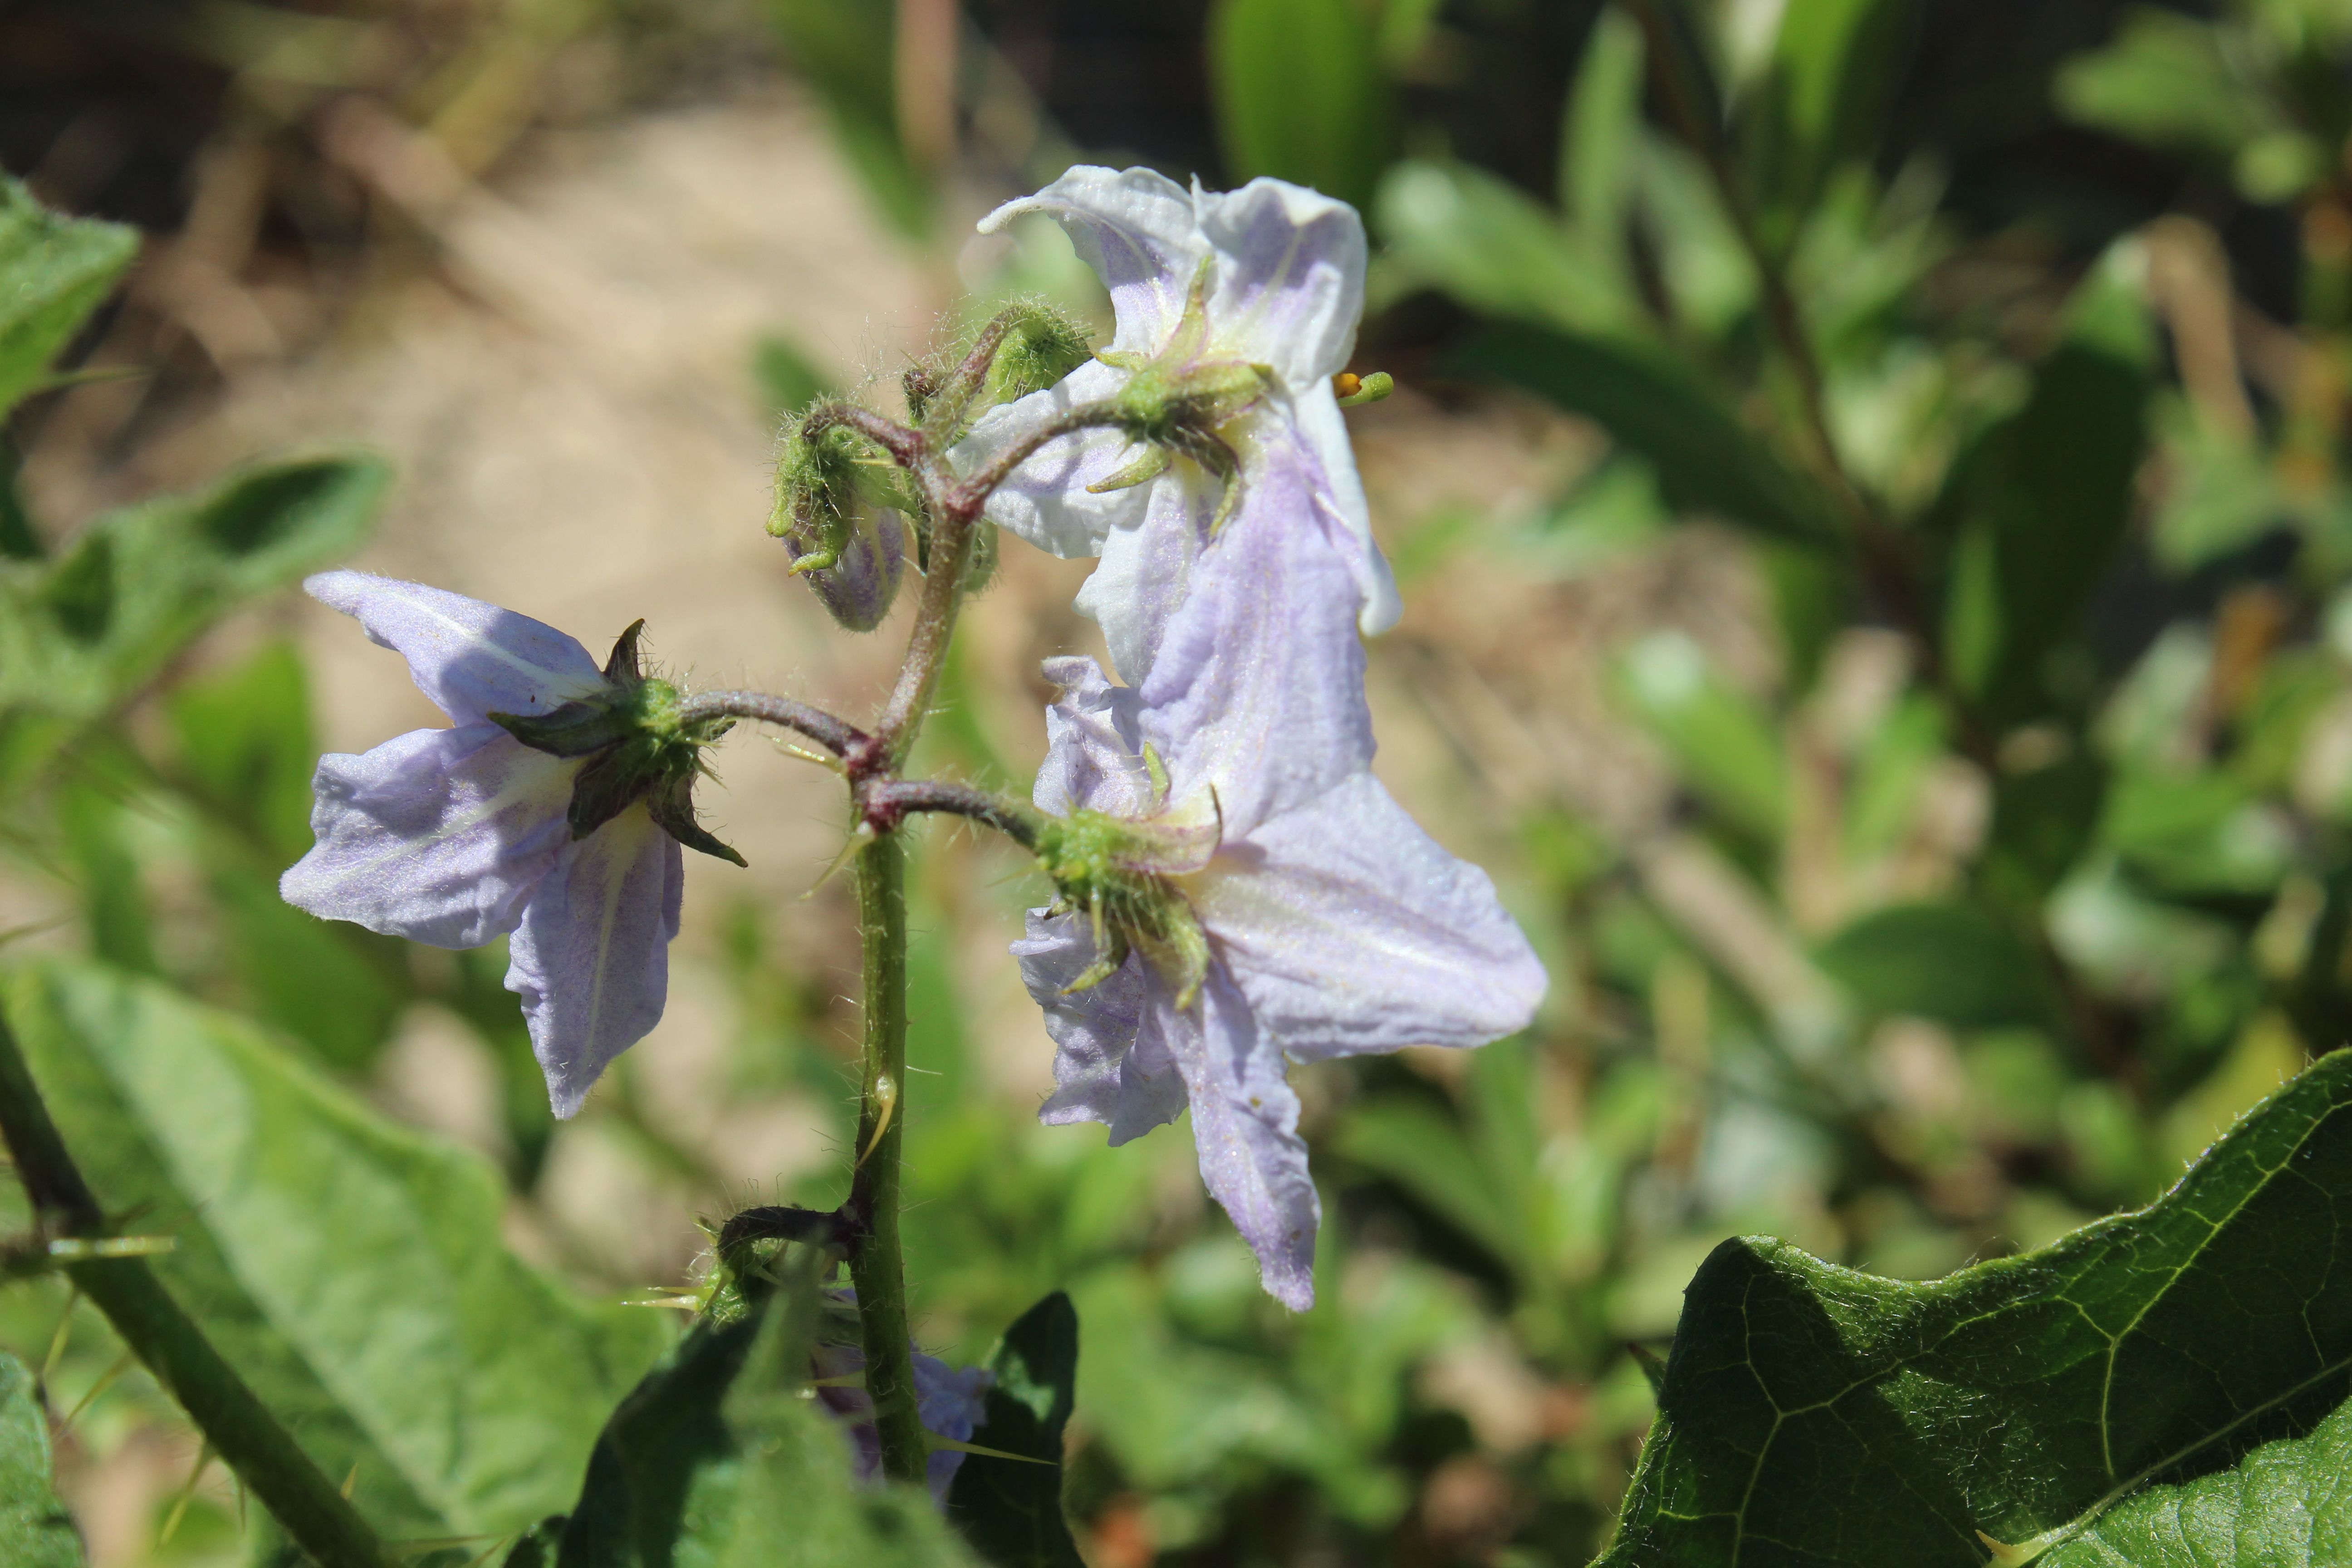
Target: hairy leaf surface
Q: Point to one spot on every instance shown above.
(1813, 1414)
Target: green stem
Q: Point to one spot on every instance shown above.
(873, 1261)
(232, 1418)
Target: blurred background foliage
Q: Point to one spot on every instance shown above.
(2002, 347)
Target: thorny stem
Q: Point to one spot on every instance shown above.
(234, 1421)
(873, 1258)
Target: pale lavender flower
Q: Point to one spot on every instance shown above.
(1274, 274)
(1333, 925)
(950, 1401)
(456, 836)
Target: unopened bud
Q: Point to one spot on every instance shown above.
(1041, 347)
(851, 553)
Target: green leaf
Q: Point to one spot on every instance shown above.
(35, 1530)
(789, 380)
(1957, 963)
(2288, 1505)
(82, 633)
(1482, 241)
(53, 270)
(1301, 94)
(1724, 746)
(1830, 69)
(1009, 1511)
(2168, 80)
(245, 747)
(1652, 402)
(717, 1457)
(351, 1270)
(1810, 1414)
(2042, 503)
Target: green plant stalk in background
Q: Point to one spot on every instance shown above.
(237, 1425)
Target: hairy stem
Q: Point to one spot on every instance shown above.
(873, 1258)
(835, 735)
(887, 801)
(234, 1422)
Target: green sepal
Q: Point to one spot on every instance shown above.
(1122, 875)
(672, 804)
(574, 730)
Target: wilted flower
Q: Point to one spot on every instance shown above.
(950, 1401)
(1235, 311)
(455, 837)
(1239, 891)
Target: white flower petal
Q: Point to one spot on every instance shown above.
(1108, 1067)
(439, 836)
(1137, 230)
(1246, 1126)
(591, 960)
(1315, 414)
(1350, 931)
(1289, 284)
(1094, 753)
(1147, 569)
(471, 658)
(1256, 690)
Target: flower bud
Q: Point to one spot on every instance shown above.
(832, 514)
(1036, 347)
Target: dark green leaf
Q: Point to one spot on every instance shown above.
(1648, 399)
(53, 270)
(2042, 501)
(1009, 1511)
(351, 1270)
(2168, 80)
(35, 1530)
(1954, 963)
(2288, 1505)
(79, 635)
(1301, 93)
(1725, 748)
(1826, 82)
(1813, 1414)
(718, 1457)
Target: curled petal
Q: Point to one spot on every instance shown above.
(1138, 230)
(1289, 284)
(1340, 506)
(1111, 1062)
(1093, 753)
(591, 961)
(1257, 689)
(439, 836)
(1246, 1125)
(1350, 931)
(471, 658)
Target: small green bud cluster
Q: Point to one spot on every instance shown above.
(1125, 876)
(639, 745)
(836, 502)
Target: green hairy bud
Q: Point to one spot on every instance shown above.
(835, 511)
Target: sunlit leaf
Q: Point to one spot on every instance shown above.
(35, 1530)
(1810, 1414)
(352, 1270)
(53, 270)
(1301, 93)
